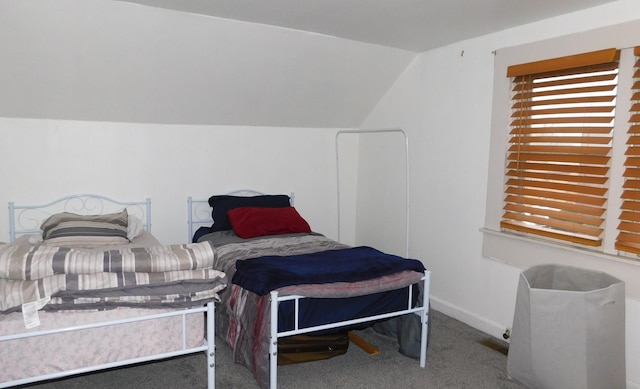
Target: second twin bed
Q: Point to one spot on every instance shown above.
(287, 280)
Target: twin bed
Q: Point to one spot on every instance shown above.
(281, 279)
(94, 289)
(270, 255)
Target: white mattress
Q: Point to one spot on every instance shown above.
(48, 354)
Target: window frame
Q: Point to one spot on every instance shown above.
(523, 250)
(628, 238)
(546, 193)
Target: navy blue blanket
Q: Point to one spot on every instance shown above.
(264, 274)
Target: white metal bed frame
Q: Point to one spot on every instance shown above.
(26, 219)
(200, 215)
(423, 312)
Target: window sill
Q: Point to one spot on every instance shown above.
(524, 252)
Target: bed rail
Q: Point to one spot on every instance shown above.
(208, 346)
(422, 311)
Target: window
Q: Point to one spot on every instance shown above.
(628, 239)
(560, 146)
(558, 173)
(612, 241)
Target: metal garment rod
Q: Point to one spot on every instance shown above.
(406, 141)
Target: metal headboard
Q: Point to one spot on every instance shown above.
(199, 211)
(26, 219)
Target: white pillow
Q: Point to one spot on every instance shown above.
(135, 227)
(35, 239)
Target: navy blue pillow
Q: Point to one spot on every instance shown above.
(223, 203)
(200, 232)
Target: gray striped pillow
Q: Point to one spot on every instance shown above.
(72, 230)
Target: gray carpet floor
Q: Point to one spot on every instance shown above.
(458, 357)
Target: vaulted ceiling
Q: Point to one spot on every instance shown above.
(230, 62)
(415, 25)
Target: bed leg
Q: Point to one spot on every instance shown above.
(211, 346)
(425, 319)
(273, 342)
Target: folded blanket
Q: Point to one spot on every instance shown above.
(72, 279)
(264, 274)
(24, 261)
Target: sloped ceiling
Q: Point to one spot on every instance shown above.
(105, 60)
(415, 25)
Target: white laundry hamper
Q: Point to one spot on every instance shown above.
(568, 329)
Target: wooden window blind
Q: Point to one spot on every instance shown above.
(628, 239)
(560, 145)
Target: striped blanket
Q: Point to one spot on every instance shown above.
(75, 279)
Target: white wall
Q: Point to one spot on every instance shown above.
(381, 209)
(127, 100)
(372, 169)
(444, 102)
(46, 159)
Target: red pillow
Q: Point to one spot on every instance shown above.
(249, 222)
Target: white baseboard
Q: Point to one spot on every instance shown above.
(478, 322)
